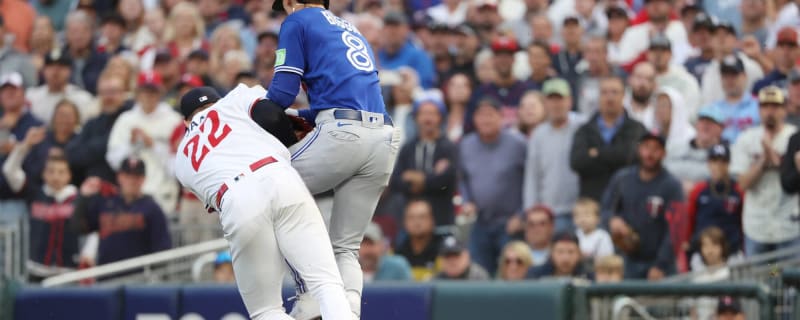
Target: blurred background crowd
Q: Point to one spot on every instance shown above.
(595, 139)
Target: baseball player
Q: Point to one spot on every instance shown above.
(230, 161)
(354, 145)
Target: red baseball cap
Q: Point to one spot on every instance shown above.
(505, 44)
(787, 34)
(150, 80)
(191, 80)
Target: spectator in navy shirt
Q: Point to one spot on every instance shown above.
(702, 30)
(637, 205)
(87, 63)
(786, 56)
(716, 202)
(564, 260)
(129, 223)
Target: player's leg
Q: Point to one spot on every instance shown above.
(304, 243)
(329, 155)
(353, 205)
(257, 262)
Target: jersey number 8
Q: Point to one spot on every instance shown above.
(199, 152)
(357, 54)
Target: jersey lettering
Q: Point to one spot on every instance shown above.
(200, 151)
(357, 53)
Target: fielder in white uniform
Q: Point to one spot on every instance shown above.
(269, 218)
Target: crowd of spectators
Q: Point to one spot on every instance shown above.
(601, 139)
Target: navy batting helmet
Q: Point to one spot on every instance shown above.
(277, 5)
(197, 98)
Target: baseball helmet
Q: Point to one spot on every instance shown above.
(277, 5)
(197, 98)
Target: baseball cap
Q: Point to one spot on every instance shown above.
(615, 11)
(719, 152)
(660, 41)
(162, 56)
(703, 21)
(373, 232)
(487, 101)
(653, 137)
(150, 80)
(55, 57)
(771, 95)
(486, 4)
(433, 96)
(571, 20)
(726, 26)
(113, 18)
(504, 44)
(133, 166)
(395, 18)
(451, 246)
(198, 54)
(556, 86)
(196, 98)
(712, 114)
(728, 304)
(191, 80)
(689, 8)
(464, 30)
(794, 76)
(731, 64)
(787, 35)
(13, 79)
(566, 236)
(223, 257)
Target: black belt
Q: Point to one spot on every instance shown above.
(350, 114)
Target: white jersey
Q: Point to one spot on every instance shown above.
(221, 143)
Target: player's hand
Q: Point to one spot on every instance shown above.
(655, 274)
(301, 126)
(91, 186)
(34, 136)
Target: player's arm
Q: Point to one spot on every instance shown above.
(289, 65)
(271, 117)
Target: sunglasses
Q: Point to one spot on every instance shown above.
(537, 223)
(517, 261)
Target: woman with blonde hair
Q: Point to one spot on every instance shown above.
(515, 261)
(225, 38)
(185, 30)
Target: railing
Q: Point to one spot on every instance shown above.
(12, 252)
(173, 265)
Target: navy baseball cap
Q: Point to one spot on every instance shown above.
(731, 64)
(277, 5)
(134, 166)
(451, 246)
(196, 98)
(654, 137)
(719, 152)
(660, 41)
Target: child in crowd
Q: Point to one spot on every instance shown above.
(223, 268)
(713, 256)
(595, 242)
(609, 269)
(53, 243)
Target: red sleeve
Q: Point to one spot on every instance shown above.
(691, 203)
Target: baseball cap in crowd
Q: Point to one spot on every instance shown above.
(451, 246)
(196, 98)
(395, 18)
(56, 58)
(433, 96)
(787, 36)
(731, 64)
(728, 304)
(653, 137)
(566, 236)
(190, 80)
(702, 21)
(725, 26)
(487, 4)
(261, 36)
(504, 44)
(712, 114)
(771, 95)
(794, 76)
(556, 86)
(373, 232)
(222, 258)
(571, 20)
(13, 79)
(691, 7)
(132, 165)
(660, 41)
(150, 80)
(199, 54)
(486, 101)
(464, 30)
(113, 18)
(719, 152)
(162, 56)
(615, 11)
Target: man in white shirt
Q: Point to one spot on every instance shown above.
(639, 102)
(635, 40)
(674, 76)
(43, 99)
(769, 215)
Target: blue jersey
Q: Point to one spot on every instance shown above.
(333, 60)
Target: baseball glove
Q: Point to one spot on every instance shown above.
(301, 127)
(628, 244)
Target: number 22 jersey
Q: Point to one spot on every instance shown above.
(221, 143)
(332, 58)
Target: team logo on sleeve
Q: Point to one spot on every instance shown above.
(280, 57)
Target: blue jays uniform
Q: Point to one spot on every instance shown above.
(353, 148)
